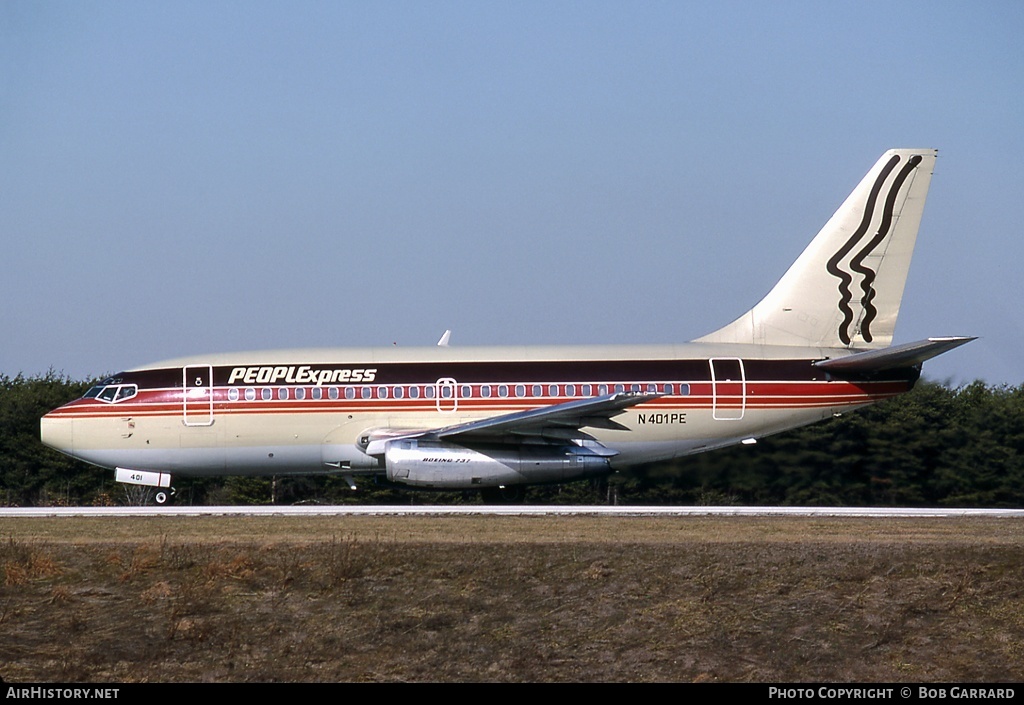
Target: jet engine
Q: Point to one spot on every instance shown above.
(426, 463)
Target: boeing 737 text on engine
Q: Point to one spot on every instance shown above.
(499, 419)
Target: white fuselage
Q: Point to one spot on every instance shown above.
(293, 412)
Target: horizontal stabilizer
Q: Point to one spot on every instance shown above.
(897, 356)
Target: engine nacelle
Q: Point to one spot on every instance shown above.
(424, 463)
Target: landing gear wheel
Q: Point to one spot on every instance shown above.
(162, 497)
(510, 494)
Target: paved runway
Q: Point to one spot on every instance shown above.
(509, 510)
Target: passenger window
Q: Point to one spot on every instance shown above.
(282, 393)
(520, 390)
(553, 390)
(485, 390)
(570, 390)
(300, 393)
(502, 390)
(684, 390)
(414, 392)
(233, 394)
(266, 394)
(398, 392)
(250, 394)
(538, 391)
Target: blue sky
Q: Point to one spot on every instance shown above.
(190, 177)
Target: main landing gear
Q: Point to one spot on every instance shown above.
(506, 494)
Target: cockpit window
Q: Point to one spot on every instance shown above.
(126, 391)
(113, 393)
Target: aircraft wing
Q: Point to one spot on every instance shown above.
(573, 415)
(557, 422)
(897, 356)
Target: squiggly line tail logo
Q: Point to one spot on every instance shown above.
(856, 263)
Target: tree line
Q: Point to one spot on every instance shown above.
(936, 446)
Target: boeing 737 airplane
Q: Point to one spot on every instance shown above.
(499, 419)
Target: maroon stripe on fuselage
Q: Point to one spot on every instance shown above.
(528, 372)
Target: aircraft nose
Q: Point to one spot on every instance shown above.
(57, 433)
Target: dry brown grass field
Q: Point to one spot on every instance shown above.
(168, 599)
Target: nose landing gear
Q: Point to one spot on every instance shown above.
(165, 497)
(139, 483)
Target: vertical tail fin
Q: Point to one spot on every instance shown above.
(846, 287)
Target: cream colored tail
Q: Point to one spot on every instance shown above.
(846, 287)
